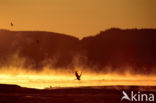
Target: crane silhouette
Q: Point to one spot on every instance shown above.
(78, 76)
(11, 24)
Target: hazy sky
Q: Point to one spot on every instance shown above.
(77, 17)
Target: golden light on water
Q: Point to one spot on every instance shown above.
(48, 77)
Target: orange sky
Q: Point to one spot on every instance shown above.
(77, 17)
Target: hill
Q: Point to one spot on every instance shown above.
(115, 47)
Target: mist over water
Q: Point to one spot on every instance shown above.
(16, 73)
(47, 78)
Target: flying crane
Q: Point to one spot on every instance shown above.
(78, 76)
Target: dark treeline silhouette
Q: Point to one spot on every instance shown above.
(115, 47)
